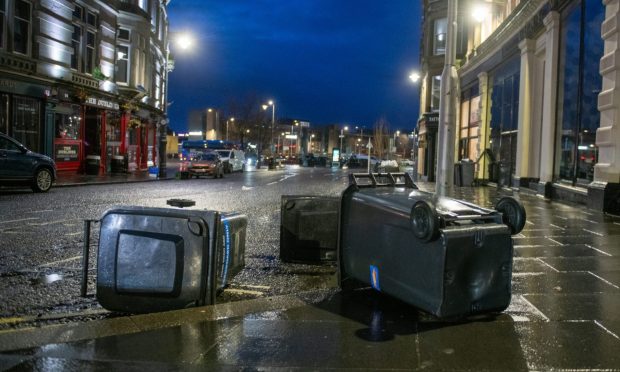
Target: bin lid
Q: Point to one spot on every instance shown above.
(94, 157)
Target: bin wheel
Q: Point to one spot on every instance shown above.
(513, 213)
(424, 221)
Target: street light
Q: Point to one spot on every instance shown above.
(273, 120)
(414, 76)
(231, 119)
(341, 137)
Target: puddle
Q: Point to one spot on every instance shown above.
(47, 279)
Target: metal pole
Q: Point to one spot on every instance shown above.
(273, 121)
(85, 254)
(448, 101)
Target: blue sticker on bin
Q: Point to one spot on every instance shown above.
(374, 277)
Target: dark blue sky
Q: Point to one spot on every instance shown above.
(327, 61)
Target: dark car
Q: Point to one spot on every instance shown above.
(206, 164)
(20, 166)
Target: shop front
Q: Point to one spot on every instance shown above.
(101, 122)
(21, 112)
(427, 146)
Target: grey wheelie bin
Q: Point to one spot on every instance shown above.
(445, 256)
(308, 228)
(158, 259)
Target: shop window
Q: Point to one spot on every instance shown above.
(4, 113)
(435, 92)
(68, 124)
(26, 114)
(580, 82)
(113, 127)
(439, 36)
(2, 22)
(21, 27)
(122, 64)
(469, 125)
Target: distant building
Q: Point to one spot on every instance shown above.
(539, 97)
(85, 79)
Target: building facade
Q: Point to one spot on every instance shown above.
(85, 81)
(538, 95)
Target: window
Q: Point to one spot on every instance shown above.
(21, 31)
(435, 92)
(122, 64)
(469, 123)
(26, 113)
(90, 52)
(142, 4)
(76, 42)
(2, 22)
(123, 34)
(439, 38)
(84, 40)
(581, 49)
(91, 19)
(78, 12)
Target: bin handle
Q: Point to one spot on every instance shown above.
(393, 180)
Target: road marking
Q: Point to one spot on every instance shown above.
(556, 226)
(598, 250)
(546, 264)
(594, 222)
(535, 308)
(603, 279)
(41, 211)
(73, 234)
(20, 220)
(61, 261)
(255, 286)
(555, 241)
(606, 330)
(592, 232)
(11, 320)
(51, 222)
(243, 291)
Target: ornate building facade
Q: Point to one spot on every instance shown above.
(85, 81)
(539, 94)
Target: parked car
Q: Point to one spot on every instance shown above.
(206, 164)
(20, 166)
(233, 160)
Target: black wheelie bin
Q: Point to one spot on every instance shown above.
(158, 259)
(444, 256)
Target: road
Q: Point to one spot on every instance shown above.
(41, 236)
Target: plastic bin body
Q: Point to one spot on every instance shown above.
(230, 247)
(93, 162)
(467, 172)
(308, 228)
(466, 270)
(156, 259)
(118, 164)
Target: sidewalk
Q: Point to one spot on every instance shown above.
(563, 316)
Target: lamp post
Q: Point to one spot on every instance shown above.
(448, 95)
(342, 130)
(231, 119)
(273, 120)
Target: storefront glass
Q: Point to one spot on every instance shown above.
(26, 122)
(67, 145)
(504, 114)
(4, 113)
(113, 137)
(579, 85)
(469, 124)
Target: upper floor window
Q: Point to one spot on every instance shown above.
(439, 36)
(84, 40)
(21, 27)
(2, 22)
(123, 34)
(122, 64)
(435, 92)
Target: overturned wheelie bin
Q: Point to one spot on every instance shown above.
(445, 256)
(158, 259)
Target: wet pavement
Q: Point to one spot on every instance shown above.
(564, 315)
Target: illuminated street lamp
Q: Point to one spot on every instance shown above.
(342, 136)
(184, 40)
(273, 120)
(414, 76)
(231, 119)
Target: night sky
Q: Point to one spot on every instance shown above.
(342, 62)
